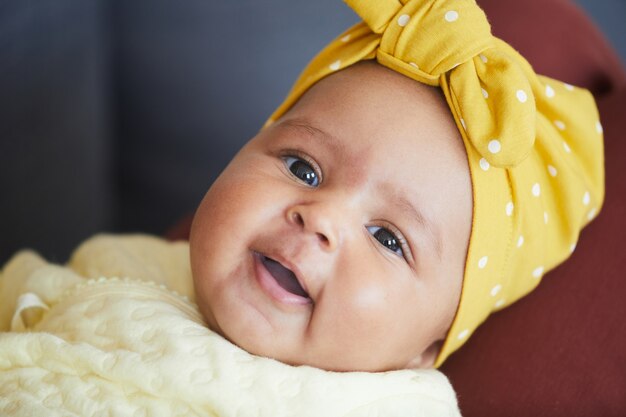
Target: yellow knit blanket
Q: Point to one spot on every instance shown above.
(116, 333)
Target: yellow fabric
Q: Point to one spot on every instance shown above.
(534, 144)
(115, 333)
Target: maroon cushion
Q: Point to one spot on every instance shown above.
(559, 40)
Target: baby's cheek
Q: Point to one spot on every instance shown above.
(369, 299)
(361, 316)
(201, 297)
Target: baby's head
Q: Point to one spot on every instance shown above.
(363, 191)
(386, 209)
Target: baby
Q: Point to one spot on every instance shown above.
(377, 220)
(418, 177)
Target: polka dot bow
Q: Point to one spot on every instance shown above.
(534, 144)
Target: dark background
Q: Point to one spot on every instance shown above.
(117, 115)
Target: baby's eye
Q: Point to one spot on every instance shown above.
(302, 170)
(387, 239)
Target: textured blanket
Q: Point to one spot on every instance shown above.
(116, 333)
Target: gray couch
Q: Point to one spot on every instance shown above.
(117, 115)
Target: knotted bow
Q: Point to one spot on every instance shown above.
(449, 44)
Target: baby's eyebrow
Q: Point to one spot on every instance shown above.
(409, 210)
(304, 126)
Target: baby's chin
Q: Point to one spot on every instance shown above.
(257, 345)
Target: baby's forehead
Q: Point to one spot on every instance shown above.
(375, 103)
(389, 149)
(379, 118)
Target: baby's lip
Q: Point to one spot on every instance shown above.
(271, 284)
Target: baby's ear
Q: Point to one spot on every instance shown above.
(427, 358)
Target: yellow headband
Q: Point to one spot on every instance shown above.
(534, 144)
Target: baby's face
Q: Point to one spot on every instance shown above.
(337, 236)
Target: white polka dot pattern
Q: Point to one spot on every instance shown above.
(451, 16)
(559, 125)
(494, 146)
(536, 190)
(509, 208)
(335, 65)
(495, 290)
(599, 128)
(403, 20)
(552, 170)
(566, 147)
(591, 214)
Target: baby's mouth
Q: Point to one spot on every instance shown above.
(284, 277)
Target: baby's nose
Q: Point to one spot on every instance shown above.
(317, 220)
